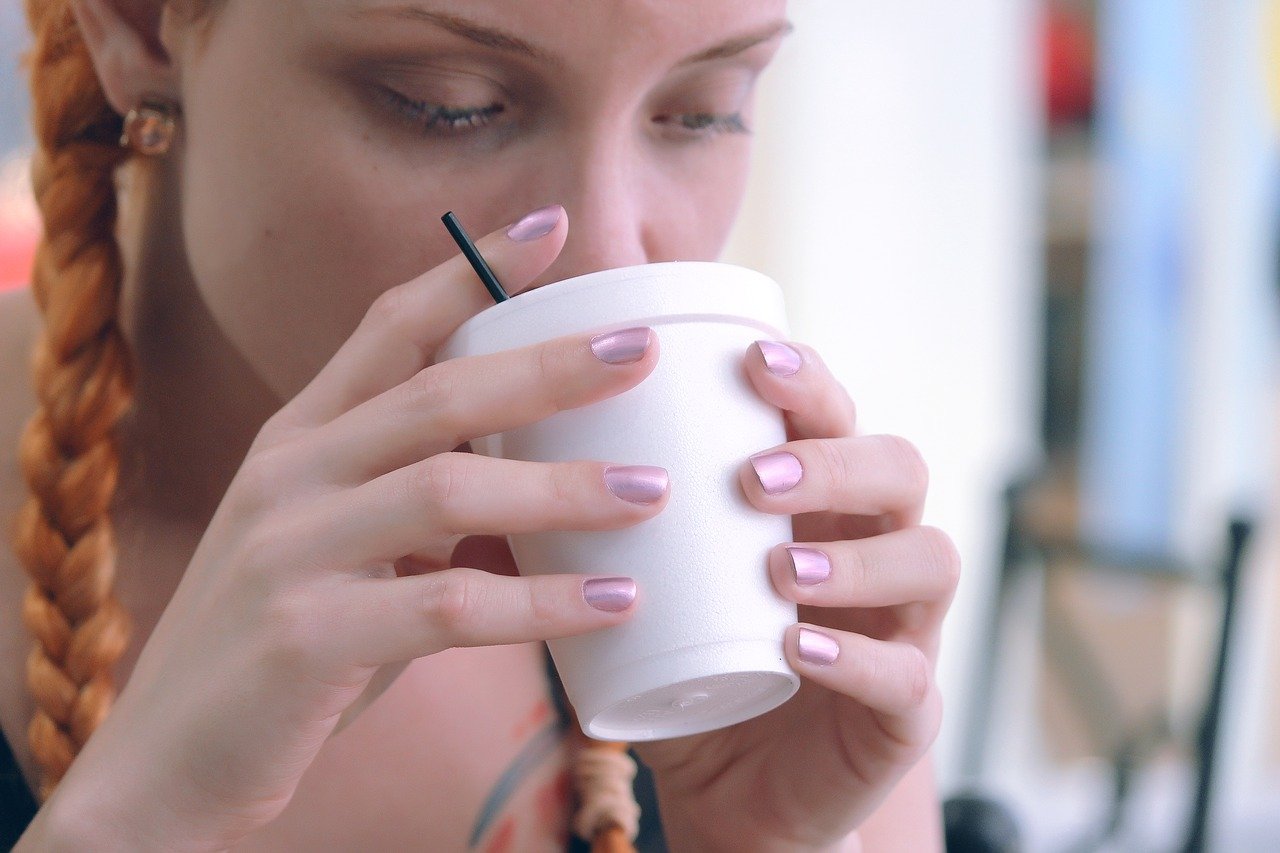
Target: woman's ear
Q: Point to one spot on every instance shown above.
(123, 37)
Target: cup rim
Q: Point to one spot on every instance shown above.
(615, 275)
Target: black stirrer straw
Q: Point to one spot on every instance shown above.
(473, 255)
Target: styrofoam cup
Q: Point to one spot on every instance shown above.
(703, 649)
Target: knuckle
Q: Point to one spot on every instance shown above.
(944, 556)
(275, 430)
(859, 568)
(835, 462)
(431, 393)
(451, 604)
(908, 457)
(552, 370)
(542, 602)
(260, 552)
(271, 550)
(293, 628)
(387, 309)
(260, 481)
(439, 481)
(917, 676)
(430, 389)
(564, 480)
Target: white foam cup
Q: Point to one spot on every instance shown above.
(703, 649)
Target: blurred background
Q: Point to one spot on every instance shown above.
(1039, 238)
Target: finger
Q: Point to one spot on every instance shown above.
(463, 493)
(379, 621)
(863, 475)
(892, 678)
(462, 398)
(913, 565)
(404, 327)
(815, 403)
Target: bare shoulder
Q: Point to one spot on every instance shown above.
(19, 323)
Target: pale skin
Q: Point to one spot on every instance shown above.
(295, 433)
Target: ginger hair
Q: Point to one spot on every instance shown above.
(69, 452)
(82, 374)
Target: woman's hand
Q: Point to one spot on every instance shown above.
(327, 562)
(805, 775)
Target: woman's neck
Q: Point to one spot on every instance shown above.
(198, 404)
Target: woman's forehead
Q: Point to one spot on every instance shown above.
(549, 30)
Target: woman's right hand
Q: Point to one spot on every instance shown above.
(328, 559)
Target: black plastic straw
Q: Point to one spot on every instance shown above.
(473, 255)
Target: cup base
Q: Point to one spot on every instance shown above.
(691, 705)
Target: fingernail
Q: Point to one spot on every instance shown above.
(611, 594)
(778, 471)
(817, 647)
(781, 359)
(539, 223)
(626, 346)
(639, 484)
(810, 566)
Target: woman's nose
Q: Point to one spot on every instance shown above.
(610, 216)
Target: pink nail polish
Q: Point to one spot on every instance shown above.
(810, 566)
(781, 359)
(638, 484)
(539, 223)
(816, 647)
(778, 471)
(611, 594)
(625, 346)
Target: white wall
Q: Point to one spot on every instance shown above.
(895, 198)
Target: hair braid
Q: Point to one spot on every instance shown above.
(83, 379)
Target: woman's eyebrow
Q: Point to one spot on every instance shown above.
(741, 43)
(500, 40)
(476, 32)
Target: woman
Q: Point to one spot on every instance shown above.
(297, 525)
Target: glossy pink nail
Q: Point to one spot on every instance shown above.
(638, 484)
(611, 594)
(778, 471)
(538, 223)
(817, 647)
(809, 565)
(624, 346)
(781, 359)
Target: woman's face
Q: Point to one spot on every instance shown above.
(323, 140)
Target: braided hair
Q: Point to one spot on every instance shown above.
(81, 370)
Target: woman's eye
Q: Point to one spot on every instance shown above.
(705, 124)
(439, 118)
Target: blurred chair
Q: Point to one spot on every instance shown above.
(979, 824)
(1039, 541)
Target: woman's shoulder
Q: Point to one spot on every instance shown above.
(19, 323)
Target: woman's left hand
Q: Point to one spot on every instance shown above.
(808, 773)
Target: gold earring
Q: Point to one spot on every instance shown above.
(149, 127)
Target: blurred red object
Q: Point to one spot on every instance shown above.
(19, 222)
(17, 251)
(1068, 44)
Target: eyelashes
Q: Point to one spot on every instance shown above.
(707, 122)
(440, 120)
